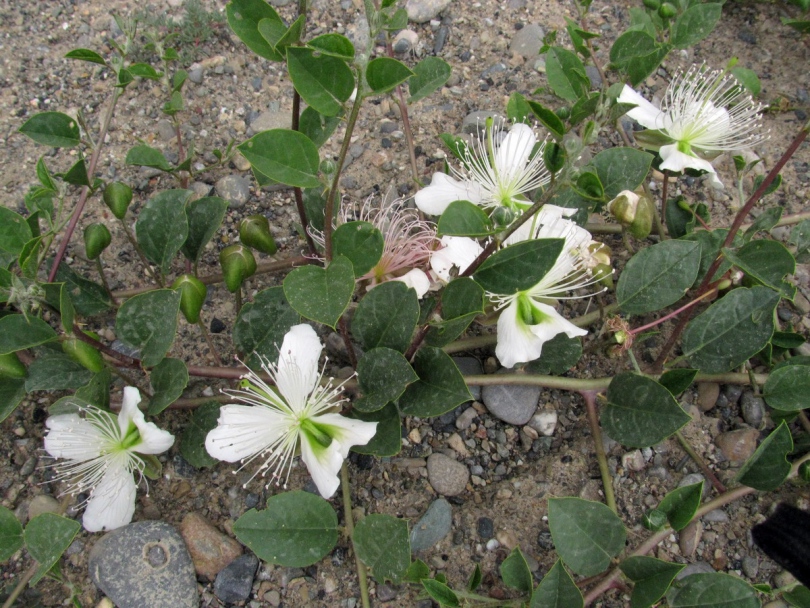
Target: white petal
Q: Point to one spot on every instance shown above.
(346, 431)
(243, 431)
(129, 409)
(443, 190)
(458, 251)
(513, 152)
(301, 348)
(676, 161)
(417, 280)
(323, 465)
(71, 436)
(516, 344)
(554, 324)
(645, 113)
(112, 501)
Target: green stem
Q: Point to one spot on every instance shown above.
(237, 299)
(214, 353)
(601, 456)
(344, 150)
(103, 277)
(91, 169)
(707, 472)
(23, 582)
(349, 518)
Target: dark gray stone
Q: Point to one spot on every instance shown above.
(235, 581)
(144, 565)
(753, 409)
(512, 404)
(165, 130)
(195, 74)
(486, 528)
(434, 525)
(182, 468)
(470, 366)
(386, 593)
(235, 189)
(528, 41)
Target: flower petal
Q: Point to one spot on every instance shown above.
(323, 464)
(154, 440)
(417, 280)
(645, 113)
(346, 431)
(129, 409)
(112, 501)
(300, 349)
(554, 324)
(443, 190)
(71, 436)
(676, 161)
(243, 431)
(458, 251)
(513, 152)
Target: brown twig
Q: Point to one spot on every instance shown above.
(601, 456)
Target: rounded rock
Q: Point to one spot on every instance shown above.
(234, 189)
(210, 549)
(447, 476)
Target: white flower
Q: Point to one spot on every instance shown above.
(456, 252)
(494, 174)
(102, 453)
(526, 321)
(293, 415)
(417, 280)
(703, 114)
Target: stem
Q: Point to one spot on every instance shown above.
(704, 468)
(347, 514)
(132, 241)
(735, 227)
(263, 268)
(785, 220)
(330, 199)
(601, 457)
(406, 123)
(344, 333)
(23, 582)
(214, 353)
(106, 285)
(674, 313)
(803, 420)
(91, 169)
(664, 188)
(237, 298)
(181, 152)
(123, 360)
(652, 542)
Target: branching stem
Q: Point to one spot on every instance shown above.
(349, 519)
(601, 456)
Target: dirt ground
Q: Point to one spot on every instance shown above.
(517, 476)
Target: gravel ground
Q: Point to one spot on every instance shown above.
(495, 476)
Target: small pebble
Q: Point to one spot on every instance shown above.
(234, 583)
(447, 476)
(486, 528)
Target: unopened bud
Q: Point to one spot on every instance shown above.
(667, 11)
(641, 225)
(736, 277)
(192, 296)
(620, 337)
(238, 264)
(502, 216)
(117, 196)
(328, 167)
(254, 231)
(804, 471)
(654, 519)
(96, 239)
(724, 284)
(84, 354)
(11, 366)
(624, 207)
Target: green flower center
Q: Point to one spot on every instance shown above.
(313, 431)
(529, 314)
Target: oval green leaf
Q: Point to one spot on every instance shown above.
(325, 82)
(192, 444)
(386, 316)
(382, 542)
(786, 388)
(47, 537)
(463, 218)
(621, 169)
(518, 267)
(321, 294)
(244, 17)
(586, 535)
(204, 217)
(52, 129)
(383, 375)
(285, 156)
(18, 333)
(261, 325)
(640, 412)
(712, 590)
(296, 529)
(169, 379)
(361, 243)
(440, 387)
(385, 73)
(681, 504)
(768, 467)
(11, 534)
(148, 322)
(387, 441)
(557, 590)
(162, 227)
(651, 577)
(767, 262)
(430, 74)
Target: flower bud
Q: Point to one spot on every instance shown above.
(254, 231)
(84, 354)
(11, 366)
(624, 207)
(554, 157)
(328, 166)
(652, 4)
(642, 223)
(238, 264)
(117, 196)
(724, 284)
(654, 519)
(96, 239)
(502, 216)
(667, 11)
(804, 471)
(192, 296)
(563, 112)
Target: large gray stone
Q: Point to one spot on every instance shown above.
(144, 565)
(528, 41)
(512, 404)
(235, 582)
(447, 476)
(434, 525)
(235, 189)
(470, 366)
(421, 11)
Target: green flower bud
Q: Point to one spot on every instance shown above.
(624, 207)
(667, 11)
(502, 216)
(96, 239)
(804, 471)
(238, 264)
(192, 296)
(642, 223)
(654, 519)
(254, 231)
(84, 354)
(11, 366)
(563, 112)
(117, 196)
(328, 166)
(652, 4)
